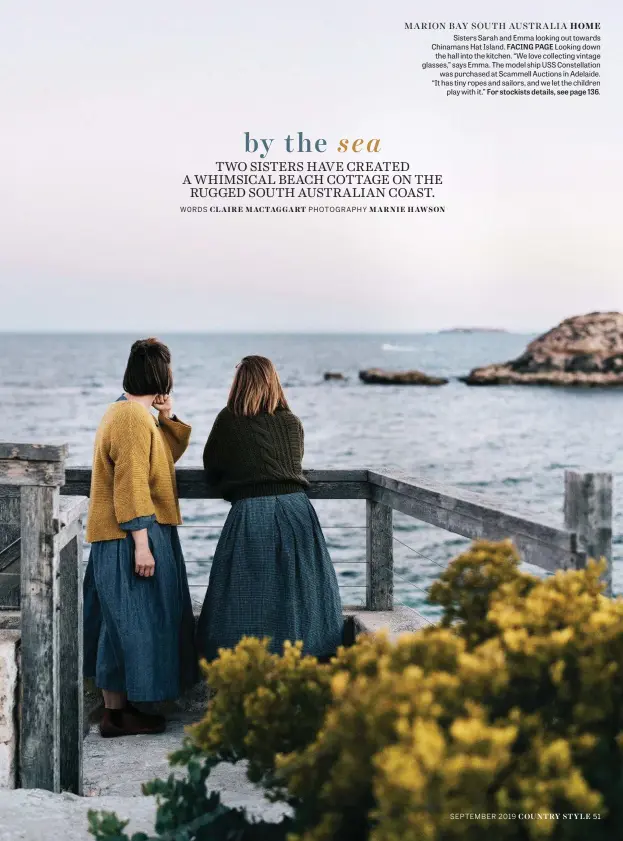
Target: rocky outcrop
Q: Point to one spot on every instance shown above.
(334, 375)
(585, 350)
(377, 376)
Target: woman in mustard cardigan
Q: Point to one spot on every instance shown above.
(138, 618)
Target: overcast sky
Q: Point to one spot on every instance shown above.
(106, 107)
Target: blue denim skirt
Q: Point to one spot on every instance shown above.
(272, 577)
(139, 632)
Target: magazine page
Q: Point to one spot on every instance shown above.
(311, 354)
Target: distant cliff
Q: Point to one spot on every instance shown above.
(474, 330)
(585, 350)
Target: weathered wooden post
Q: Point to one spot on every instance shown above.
(379, 556)
(588, 513)
(71, 697)
(38, 471)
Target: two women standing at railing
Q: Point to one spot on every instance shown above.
(271, 575)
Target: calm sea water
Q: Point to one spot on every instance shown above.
(509, 442)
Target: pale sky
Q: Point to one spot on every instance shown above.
(106, 107)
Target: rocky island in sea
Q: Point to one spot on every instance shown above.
(585, 350)
(377, 376)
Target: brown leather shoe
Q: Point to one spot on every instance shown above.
(130, 722)
(154, 720)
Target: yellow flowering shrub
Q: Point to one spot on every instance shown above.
(494, 723)
(262, 703)
(503, 721)
(466, 586)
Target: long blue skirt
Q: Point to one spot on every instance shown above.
(272, 577)
(139, 632)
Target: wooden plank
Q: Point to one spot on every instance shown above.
(532, 549)
(588, 512)
(336, 475)
(70, 666)
(473, 516)
(40, 703)
(67, 534)
(191, 484)
(22, 473)
(338, 490)
(77, 481)
(72, 508)
(462, 503)
(379, 556)
(33, 452)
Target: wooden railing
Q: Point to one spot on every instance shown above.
(587, 507)
(50, 531)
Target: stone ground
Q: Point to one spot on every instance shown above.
(35, 815)
(119, 766)
(113, 772)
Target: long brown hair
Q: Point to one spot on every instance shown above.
(256, 388)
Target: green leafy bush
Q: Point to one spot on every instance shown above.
(503, 721)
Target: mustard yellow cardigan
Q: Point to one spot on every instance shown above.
(133, 469)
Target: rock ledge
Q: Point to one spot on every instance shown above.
(377, 376)
(585, 350)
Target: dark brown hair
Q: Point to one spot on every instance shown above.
(149, 369)
(256, 388)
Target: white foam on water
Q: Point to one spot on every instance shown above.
(397, 348)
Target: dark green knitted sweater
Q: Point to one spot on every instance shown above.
(255, 456)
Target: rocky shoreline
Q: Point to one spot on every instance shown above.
(584, 351)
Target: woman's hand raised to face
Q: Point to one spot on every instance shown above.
(164, 404)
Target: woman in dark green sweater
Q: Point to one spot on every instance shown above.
(271, 575)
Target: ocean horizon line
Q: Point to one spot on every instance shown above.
(178, 332)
